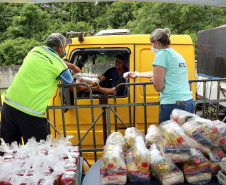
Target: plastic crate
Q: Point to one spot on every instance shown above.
(221, 176)
(222, 164)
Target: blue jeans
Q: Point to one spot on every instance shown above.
(166, 109)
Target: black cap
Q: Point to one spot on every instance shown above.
(119, 56)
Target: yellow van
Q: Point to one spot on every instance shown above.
(95, 54)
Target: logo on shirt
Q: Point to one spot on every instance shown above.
(182, 65)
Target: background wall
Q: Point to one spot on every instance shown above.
(7, 74)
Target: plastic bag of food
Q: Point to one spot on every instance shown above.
(137, 160)
(221, 130)
(203, 131)
(181, 116)
(174, 153)
(115, 138)
(175, 176)
(197, 169)
(89, 79)
(127, 75)
(152, 134)
(113, 168)
(172, 132)
(130, 136)
(217, 155)
(160, 166)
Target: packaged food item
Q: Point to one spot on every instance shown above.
(127, 75)
(172, 132)
(203, 131)
(152, 134)
(115, 138)
(181, 116)
(175, 176)
(174, 153)
(221, 130)
(113, 168)
(130, 136)
(217, 155)
(197, 169)
(137, 160)
(160, 166)
(89, 79)
(194, 144)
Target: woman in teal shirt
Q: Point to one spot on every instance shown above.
(169, 76)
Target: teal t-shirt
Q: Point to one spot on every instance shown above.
(176, 86)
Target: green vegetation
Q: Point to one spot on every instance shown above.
(24, 26)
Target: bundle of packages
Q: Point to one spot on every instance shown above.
(137, 160)
(181, 116)
(130, 136)
(113, 168)
(172, 132)
(222, 131)
(117, 138)
(175, 176)
(197, 169)
(194, 144)
(217, 155)
(153, 133)
(172, 143)
(89, 79)
(203, 131)
(160, 166)
(39, 162)
(174, 153)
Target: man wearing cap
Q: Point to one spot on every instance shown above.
(23, 111)
(115, 76)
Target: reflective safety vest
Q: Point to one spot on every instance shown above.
(35, 82)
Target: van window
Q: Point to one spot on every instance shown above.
(99, 61)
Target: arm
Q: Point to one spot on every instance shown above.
(73, 67)
(101, 78)
(104, 90)
(148, 74)
(158, 77)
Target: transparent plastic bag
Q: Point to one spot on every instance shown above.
(137, 160)
(130, 136)
(181, 116)
(175, 176)
(217, 155)
(174, 153)
(172, 132)
(197, 169)
(152, 134)
(160, 166)
(203, 131)
(221, 130)
(115, 138)
(113, 168)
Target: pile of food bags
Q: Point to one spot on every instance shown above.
(44, 162)
(184, 147)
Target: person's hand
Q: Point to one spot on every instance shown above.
(151, 80)
(95, 87)
(76, 69)
(134, 75)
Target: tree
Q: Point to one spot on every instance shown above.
(32, 22)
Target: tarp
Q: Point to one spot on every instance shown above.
(220, 3)
(211, 53)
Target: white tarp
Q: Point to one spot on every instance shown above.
(220, 3)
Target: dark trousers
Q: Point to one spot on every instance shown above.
(166, 109)
(16, 124)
